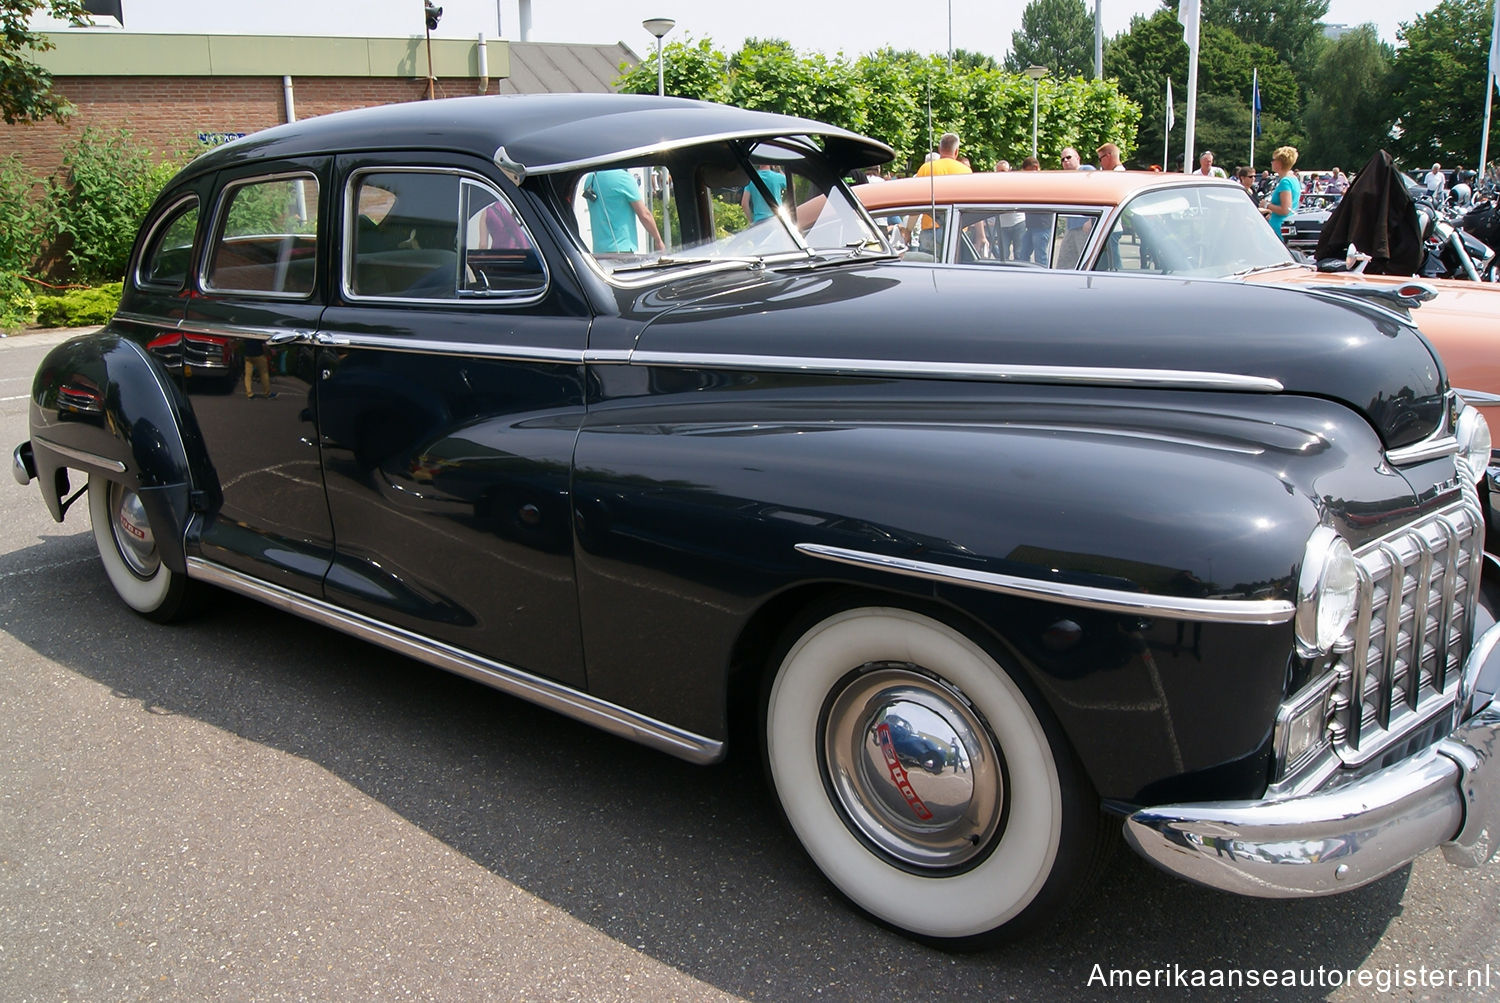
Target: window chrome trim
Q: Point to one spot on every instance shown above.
(464, 298)
(170, 214)
(615, 156)
(1236, 611)
(910, 368)
(219, 330)
(216, 235)
(420, 346)
(150, 320)
(81, 455)
(554, 696)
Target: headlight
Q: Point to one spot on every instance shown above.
(1327, 592)
(1473, 434)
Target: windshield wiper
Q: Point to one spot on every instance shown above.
(849, 252)
(660, 263)
(1260, 268)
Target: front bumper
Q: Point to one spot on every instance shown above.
(1331, 841)
(22, 465)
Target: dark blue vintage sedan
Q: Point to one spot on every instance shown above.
(619, 405)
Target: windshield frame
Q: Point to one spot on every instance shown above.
(1231, 192)
(786, 244)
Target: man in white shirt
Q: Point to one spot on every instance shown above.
(1435, 181)
(1206, 166)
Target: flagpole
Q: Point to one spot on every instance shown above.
(1489, 93)
(1166, 134)
(1254, 111)
(1188, 13)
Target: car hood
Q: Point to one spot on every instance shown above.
(1461, 323)
(1025, 325)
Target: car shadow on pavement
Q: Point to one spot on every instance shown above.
(686, 864)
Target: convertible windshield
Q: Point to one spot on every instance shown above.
(720, 202)
(1205, 230)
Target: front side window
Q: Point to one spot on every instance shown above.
(1205, 230)
(436, 235)
(169, 253)
(267, 239)
(742, 201)
(1013, 235)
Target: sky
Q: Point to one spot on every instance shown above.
(809, 25)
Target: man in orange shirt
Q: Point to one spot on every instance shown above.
(946, 163)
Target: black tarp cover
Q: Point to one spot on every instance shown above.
(1377, 216)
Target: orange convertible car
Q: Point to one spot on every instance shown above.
(1168, 225)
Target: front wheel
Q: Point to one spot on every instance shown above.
(127, 546)
(923, 781)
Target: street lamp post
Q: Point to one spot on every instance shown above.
(659, 26)
(1036, 73)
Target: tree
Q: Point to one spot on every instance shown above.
(904, 99)
(1439, 87)
(1349, 110)
(1057, 34)
(692, 69)
(1142, 59)
(1292, 29)
(25, 88)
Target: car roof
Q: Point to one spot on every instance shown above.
(1103, 188)
(540, 133)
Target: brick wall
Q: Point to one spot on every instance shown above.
(169, 113)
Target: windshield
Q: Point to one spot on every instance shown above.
(1209, 230)
(740, 201)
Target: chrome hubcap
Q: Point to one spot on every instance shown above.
(914, 770)
(132, 531)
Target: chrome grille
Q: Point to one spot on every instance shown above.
(1399, 664)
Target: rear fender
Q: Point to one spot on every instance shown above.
(101, 405)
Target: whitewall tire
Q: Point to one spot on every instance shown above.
(127, 546)
(919, 777)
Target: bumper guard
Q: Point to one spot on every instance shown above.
(1331, 841)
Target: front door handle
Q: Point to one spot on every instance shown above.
(290, 338)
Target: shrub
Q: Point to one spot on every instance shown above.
(79, 307)
(111, 182)
(26, 214)
(17, 304)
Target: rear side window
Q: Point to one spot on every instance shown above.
(267, 239)
(169, 253)
(437, 235)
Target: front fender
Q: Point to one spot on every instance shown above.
(693, 516)
(101, 405)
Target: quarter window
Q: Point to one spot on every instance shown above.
(431, 235)
(268, 240)
(169, 256)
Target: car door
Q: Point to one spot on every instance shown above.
(247, 364)
(450, 391)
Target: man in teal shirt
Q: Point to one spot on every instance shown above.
(754, 205)
(615, 204)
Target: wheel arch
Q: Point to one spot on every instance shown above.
(101, 405)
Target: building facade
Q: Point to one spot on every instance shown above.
(174, 93)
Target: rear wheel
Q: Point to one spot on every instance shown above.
(127, 546)
(923, 780)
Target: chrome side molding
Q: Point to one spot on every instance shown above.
(1245, 611)
(546, 693)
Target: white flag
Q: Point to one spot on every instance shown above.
(1171, 115)
(1495, 48)
(1187, 14)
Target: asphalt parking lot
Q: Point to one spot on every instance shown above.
(248, 806)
